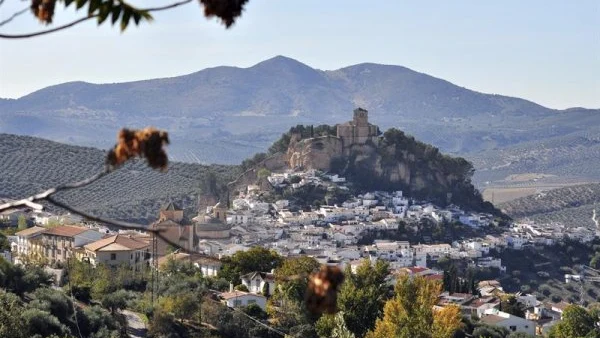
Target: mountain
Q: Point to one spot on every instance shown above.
(225, 114)
(29, 165)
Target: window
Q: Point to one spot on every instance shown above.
(237, 302)
(251, 301)
(513, 328)
(113, 256)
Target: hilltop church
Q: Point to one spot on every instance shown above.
(355, 136)
(358, 131)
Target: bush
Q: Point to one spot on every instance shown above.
(38, 322)
(242, 287)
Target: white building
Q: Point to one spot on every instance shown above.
(257, 282)
(29, 240)
(512, 323)
(239, 298)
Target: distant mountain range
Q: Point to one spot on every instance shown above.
(225, 114)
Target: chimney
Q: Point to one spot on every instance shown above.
(230, 287)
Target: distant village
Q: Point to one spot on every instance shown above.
(329, 233)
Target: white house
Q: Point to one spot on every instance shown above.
(239, 298)
(26, 241)
(257, 282)
(209, 266)
(512, 323)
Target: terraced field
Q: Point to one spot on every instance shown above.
(134, 192)
(571, 206)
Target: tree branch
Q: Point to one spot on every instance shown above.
(80, 20)
(14, 15)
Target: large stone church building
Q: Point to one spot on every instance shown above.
(357, 131)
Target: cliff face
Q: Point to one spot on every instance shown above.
(313, 153)
(393, 161)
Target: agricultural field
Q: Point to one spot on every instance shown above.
(134, 192)
(571, 206)
(541, 271)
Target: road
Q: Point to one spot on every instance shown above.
(136, 328)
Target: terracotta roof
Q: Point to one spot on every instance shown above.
(66, 231)
(236, 293)
(492, 319)
(117, 243)
(560, 305)
(416, 269)
(31, 231)
(434, 277)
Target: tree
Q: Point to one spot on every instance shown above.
(340, 330)
(410, 312)
(595, 261)
(11, 325)
(299, 268)
(488, 331)
(115, 301)
(38, 322)
(243, 262)
(53, 301)
(513, 306)
(576, 322)
(226, 10)
(22, 222)
(363, 295)
(263, 172)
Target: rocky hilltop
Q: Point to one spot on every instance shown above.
(374, 160)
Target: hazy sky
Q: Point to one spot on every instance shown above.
(545, 51)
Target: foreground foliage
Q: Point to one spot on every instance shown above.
(411, 313)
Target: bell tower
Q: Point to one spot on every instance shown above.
(361, 117)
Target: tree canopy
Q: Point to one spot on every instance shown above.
(411, 313)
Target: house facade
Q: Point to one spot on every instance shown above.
(118, 250)
(60, 243)
(512, 323)
(257, 282)
(29, 241)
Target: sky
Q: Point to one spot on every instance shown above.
(541, 50)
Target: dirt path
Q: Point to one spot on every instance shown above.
(136, 328)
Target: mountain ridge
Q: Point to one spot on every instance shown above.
(225, 114)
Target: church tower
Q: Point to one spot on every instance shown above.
(361, 117)
(220, 212)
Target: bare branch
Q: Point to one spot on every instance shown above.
(162, 8)
(14, 15)
(78, 21)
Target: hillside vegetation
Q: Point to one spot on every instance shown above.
(572, 206)
(135, 192)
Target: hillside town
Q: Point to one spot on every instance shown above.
(332, 234)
